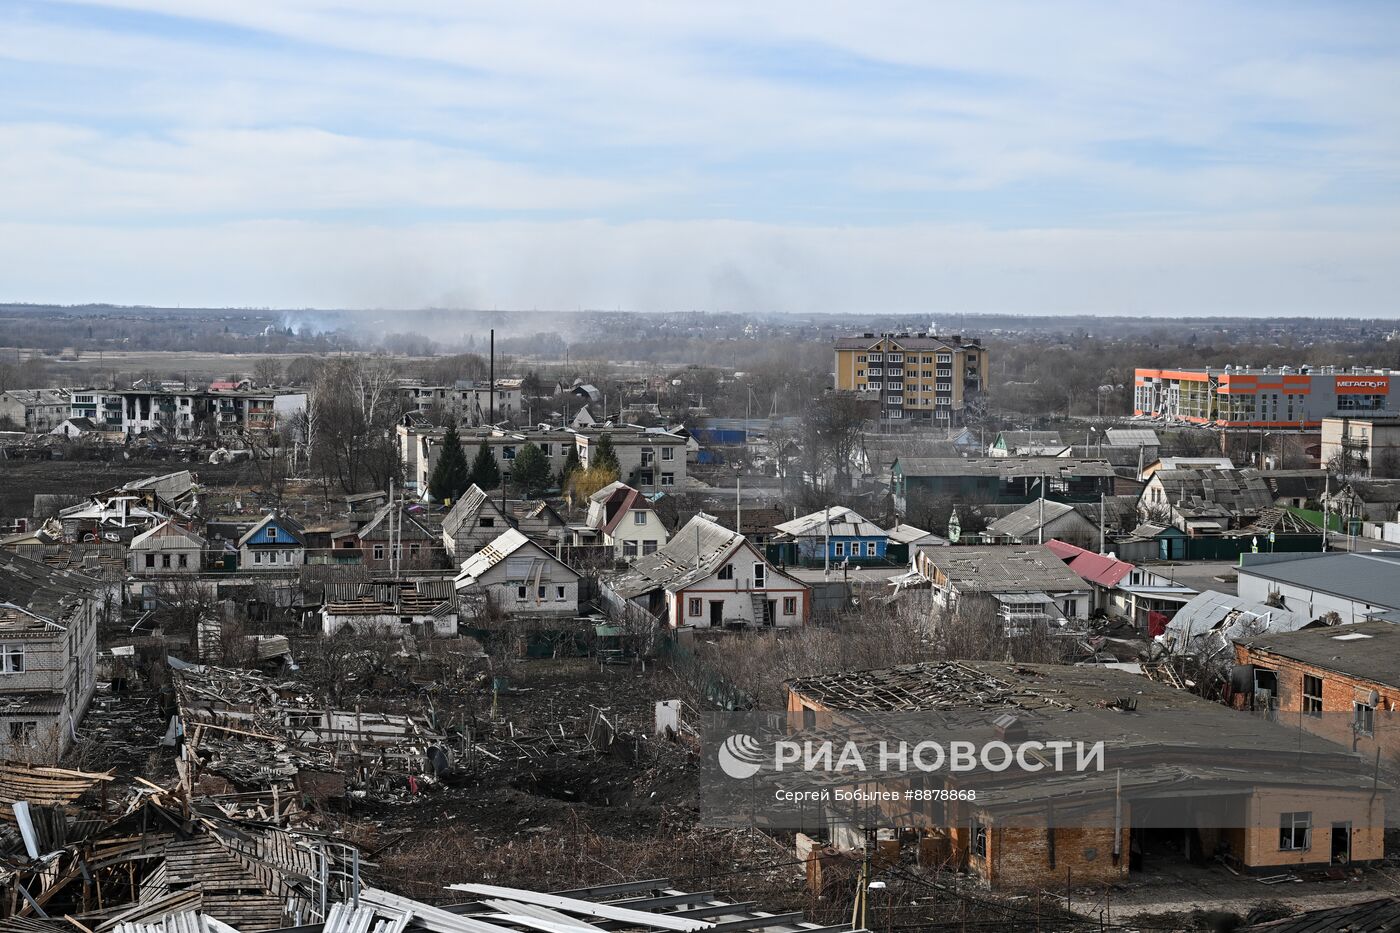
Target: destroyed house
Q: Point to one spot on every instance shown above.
(1182, 775)
(245, 734)
(48, 654)
(519, 576)
(474, 521)
(405, 607)
(708, 576)
(395, 539)
(1204, 502)
(917, 483)
(1025, 586)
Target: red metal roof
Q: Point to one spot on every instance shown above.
(1094, 568)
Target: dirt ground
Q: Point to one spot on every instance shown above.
(21, 480)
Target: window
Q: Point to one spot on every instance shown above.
(639, 518)
(486, 522)
(839, 549)
(945, 357)
(789, 605)
(668, 479)
(539, 593)
(547, 449)
(22, 732)
(165, 561)
(726, 572)
(693, 607)
(272, 532)
(1312, 695)
(648, 456)
(629, 549)
(150, 561)
(507, 453)
(1295, 830)
(895, 358)
(979, 840)
(257, 557)
(11, 659)
(184, 560)
(668, 453)
(649, 546)
(413, 550)
(1364, 718)
(379, 552)
(520, 591)
(860, 357)
(760, 575)
(646, 478)
(871, 549)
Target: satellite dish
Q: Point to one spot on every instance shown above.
(1373, 699)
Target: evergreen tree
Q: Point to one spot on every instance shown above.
(571, 466)
(485, 473)
(529, 472)
(604, 457)
(450, 477)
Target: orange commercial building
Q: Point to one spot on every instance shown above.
(1281, 397)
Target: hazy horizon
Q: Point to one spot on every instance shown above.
(1160, 160)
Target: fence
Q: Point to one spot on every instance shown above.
(713, 688)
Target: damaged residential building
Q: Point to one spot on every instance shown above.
(709, 576)
(1173, 787)
(48, 654)
(1025, 586)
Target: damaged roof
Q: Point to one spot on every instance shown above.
(693, 553)
(836, 521)
(1001, 569)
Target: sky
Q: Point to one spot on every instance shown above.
(1152, 159)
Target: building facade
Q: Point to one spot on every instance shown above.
(916, 377)
(1282, 397)
(1364, 445)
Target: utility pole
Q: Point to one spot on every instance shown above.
(1102, 499)
(492, 376)
(826, 547)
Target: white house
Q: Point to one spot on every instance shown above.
(708, 576)
(166, 549)
(626, 520)
(403, 607)
(1024, 585)
(519, 576)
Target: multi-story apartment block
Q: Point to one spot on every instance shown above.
(467, 403)
(650, 460)
(37, 411)
(916, 377)
(1269, 397)
(103, 408)
(1368, 445)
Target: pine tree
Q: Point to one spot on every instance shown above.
(604, 457)
(571, 466)
(484, 472)
(450, 477)
(529, 472)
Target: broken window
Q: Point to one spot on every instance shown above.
(760, 575)
(694, 607)
(979, 839)
(150, 561)
(488, 522)
(1295, 830)
(12, 659)
(726, 572)
(629, 548)
(1312, 695)
(184, 560)
(22, 732)
(1364, 718)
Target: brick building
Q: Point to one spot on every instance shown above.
(1183, 777)
(915, 377)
